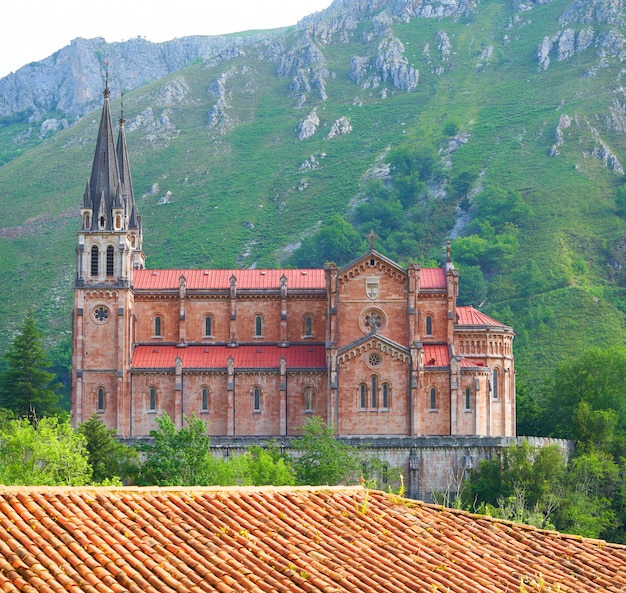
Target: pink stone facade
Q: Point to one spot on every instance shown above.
(373, 348)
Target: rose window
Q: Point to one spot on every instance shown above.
(101, 314)
(374, 360)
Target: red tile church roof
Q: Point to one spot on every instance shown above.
(436, 355)
(288, 540)
(300, 279)
(471, 316)
(220, 279)
(262, 356)
(433, 278)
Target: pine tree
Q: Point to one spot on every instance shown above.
(26, 388)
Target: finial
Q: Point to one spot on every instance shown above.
(448, 256)
(107, 92)
(372, 236)
(122, 120)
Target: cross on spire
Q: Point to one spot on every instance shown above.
(371, 237)
(107, 92)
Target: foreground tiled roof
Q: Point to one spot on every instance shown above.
(283, 540)
(220, 279)
(216, 357)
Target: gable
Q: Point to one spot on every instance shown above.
(280, 539)
(373, 343)
(375, 267)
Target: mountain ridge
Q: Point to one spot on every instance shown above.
(238, 157)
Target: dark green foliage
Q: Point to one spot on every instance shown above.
(110, 460)
(585, 399)
(620, 201)
(498, 206)
(26, 387)
(487, 248)
(324, 459)
(382, 215)
(462, 183)
(472, 286)
(336, 241)
(536, 486)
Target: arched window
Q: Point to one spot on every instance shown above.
(258, 326)
(95, 255)
(86, 220)
(374, 391)
(204, 404)
(118, 222)
(152, 403)
(468, 398)
(109, 260)
(157, 326)
(495, 384)
(256, 399)
(133, 241)
(363, 395)
(102, 222)
(386, 394)
(100, 403)
(433, 398)
(308, 326)
(308, 399)
(208, 326)
(429, 325)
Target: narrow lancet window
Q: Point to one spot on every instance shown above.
(95, 269)
(110, 252)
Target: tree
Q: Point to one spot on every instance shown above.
(525, 484)
(472, 286)
(110, 460)
(324, 459)
(620, 201)
(26, 388)
(336, 241)
(177, 457)
(267, 465)
(585, 399)
(50, 454)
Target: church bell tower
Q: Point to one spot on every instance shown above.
(109, 250)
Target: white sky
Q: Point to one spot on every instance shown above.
(31, 30)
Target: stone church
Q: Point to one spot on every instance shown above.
(373, 348)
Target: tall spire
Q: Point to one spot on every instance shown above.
(125, 177)
(104, 182)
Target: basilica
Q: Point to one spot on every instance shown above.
(373, 348)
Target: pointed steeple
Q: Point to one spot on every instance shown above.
(105, 176)
(125, 177)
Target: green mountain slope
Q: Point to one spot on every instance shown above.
(222, 177)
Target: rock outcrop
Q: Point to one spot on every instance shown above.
(71, 80)
(308, 126)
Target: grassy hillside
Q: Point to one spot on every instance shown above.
(236, 195)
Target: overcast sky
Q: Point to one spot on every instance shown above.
(31, 30)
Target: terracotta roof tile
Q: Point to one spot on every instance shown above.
(433, 278)
(300, 279)
(276, 539)
(471, 316)
(261, 356)
(436, 355)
